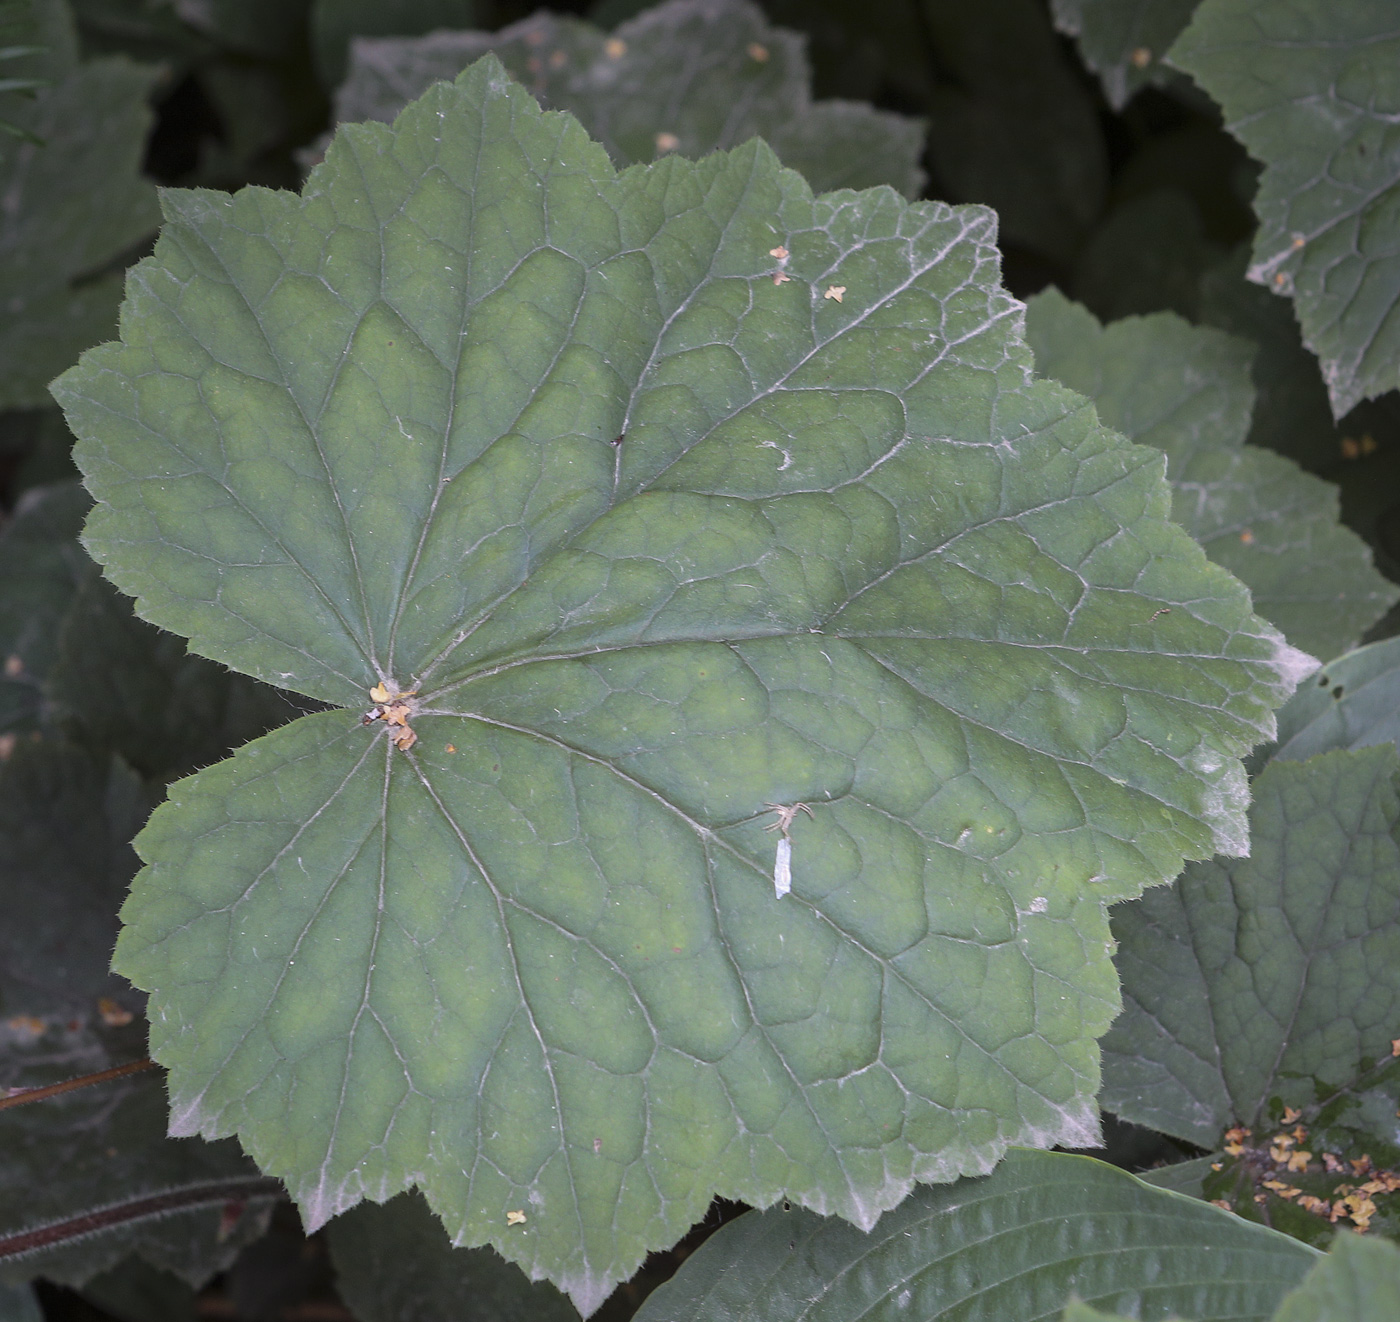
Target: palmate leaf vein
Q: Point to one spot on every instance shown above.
(365, 645)
(305, 826)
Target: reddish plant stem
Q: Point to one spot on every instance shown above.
(174, 1200)
(69, 1085)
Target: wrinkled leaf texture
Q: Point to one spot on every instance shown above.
(845, 553)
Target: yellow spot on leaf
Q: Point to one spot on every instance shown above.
(1290, 1115)
(781, 277)
(379, 693)
(515, 1218)
(1247, 537)
(451, 748)
(1222, 1203)
(779, 252)
(837, 292)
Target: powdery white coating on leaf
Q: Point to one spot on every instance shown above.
(844, 554)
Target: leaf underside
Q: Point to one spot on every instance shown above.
(1312, 90)
(846, 553)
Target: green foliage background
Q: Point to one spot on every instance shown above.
(979, 519)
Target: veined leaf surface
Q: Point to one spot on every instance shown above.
(667, 496)
(1312, 89)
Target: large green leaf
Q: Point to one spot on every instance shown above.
(1017, 1244)
(1248, 976)
(74, 201)
(1351, 703)
(846, 552)
(1123, 44)
(1312, 89)
(1359, 1280)
(65, 824)
(393, 1263)
(688, 76)
(1186, 390)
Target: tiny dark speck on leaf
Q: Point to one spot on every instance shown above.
(1337, 692)
(391, 344)
(617, 440)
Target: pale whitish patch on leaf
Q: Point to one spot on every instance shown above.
(782, 868)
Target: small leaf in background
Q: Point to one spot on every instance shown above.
(689, 76)
(1351, 703)
(74, 204)
(1011, 125)
(1186, 390)
(42, 569)
(1262, 994)
(1357, 1281)
(1124, 44)
(1042, 1229)
(394, 1263)
(65, 823)
(527, 955)
(1311, 88)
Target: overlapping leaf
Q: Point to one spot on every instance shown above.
(1312, 89)
(661, 498)
(65, 860)
(1186, 390)
(690, 76)
(1275, 981)
(74, 201)
(1124, 44)
(1041, 1230)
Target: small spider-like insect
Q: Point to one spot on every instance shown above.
(782, 861)
(394, 709)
